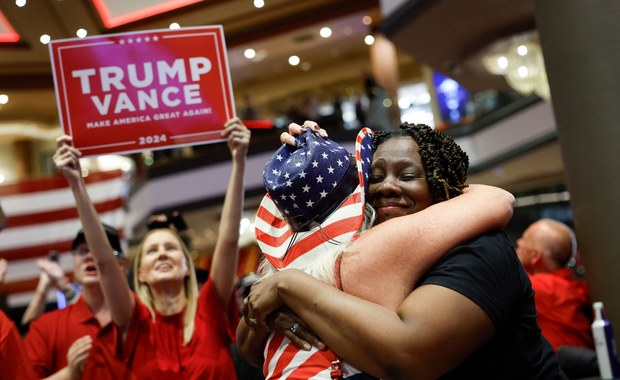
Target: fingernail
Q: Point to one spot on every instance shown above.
(307, 346)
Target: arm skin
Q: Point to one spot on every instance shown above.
(114, 283)
(405, 248)
(52, 275)
(36, 306)
(226, 252)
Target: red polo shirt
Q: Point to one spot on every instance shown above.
(564, 309)
(154, 349)
(51, 335)
(14, 362)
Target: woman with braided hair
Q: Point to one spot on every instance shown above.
(472, 315)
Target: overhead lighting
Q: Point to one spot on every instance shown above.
(259, 3)
(81, 33)
(4, 99)
(249, 53)
(520, 60)
(369, 40)
(45, 39)
(20, 3)
(325, 32)
(293, 60)
(367, 20)
(175, 25)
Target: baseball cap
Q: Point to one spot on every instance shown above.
(110, 232)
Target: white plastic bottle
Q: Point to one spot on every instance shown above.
(606, 351)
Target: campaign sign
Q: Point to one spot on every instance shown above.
(156, 89)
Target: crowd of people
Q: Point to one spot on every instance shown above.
(381, 263)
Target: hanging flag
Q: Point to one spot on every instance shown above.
(42, 218)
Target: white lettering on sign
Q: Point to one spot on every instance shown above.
(159, 73)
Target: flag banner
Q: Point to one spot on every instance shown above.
(42, 218)
(148, 90)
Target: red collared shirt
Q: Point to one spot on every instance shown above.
(154, 349)
(51, 335)
(14, 362)
(564, 309)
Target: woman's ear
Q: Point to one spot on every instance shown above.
(185, 266)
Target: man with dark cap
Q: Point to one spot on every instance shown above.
(59, 341)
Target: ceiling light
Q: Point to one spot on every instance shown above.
(520, 60)
(45, 39)
(259, 3)
(369, 40)
(4, 98)
(249, 53)
(81, 33)
(306, 66)
(325, 32)
(293, 60)
(367, 20)
(2, 178)
(175, 25)
(20, 3)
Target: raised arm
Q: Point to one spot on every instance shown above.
(226, 252)
(114, 284)
(408, 246)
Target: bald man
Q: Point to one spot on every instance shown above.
(562, 300)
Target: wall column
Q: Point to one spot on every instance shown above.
(581, 47)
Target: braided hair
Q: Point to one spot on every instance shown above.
(445, 163)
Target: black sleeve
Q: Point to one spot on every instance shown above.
(485, 270)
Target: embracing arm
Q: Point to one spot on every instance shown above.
(408, 246)
(114, 284)
(432, 331)
(250, 343)
(226, 252)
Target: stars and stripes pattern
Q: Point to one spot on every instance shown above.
(42, 217)
(297, 180)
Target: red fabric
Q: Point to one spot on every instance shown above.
(155, 350)
(14, 361)
(564, 310)
(50, 336)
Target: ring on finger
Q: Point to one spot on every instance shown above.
(295, 327)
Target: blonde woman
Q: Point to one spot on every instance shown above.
(168, 329)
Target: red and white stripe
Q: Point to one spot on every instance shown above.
(274, 235)
(283, 360)
(42, 217)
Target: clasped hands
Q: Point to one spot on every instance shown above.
(264, 310)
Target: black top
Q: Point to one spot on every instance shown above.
(488, 271)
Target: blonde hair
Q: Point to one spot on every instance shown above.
(190, 284)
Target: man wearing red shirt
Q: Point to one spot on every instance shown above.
(562, 300)
(59, 342)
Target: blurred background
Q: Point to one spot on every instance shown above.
(472, 69)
